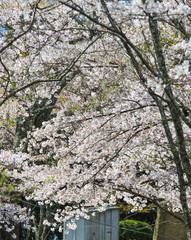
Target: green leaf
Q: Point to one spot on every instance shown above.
(13, 84)
(24, 54)
(10, 188)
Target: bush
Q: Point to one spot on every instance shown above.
(132, 229)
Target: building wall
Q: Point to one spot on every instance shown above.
(168, 228)
(102, 226)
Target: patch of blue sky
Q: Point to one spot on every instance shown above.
(2, 31)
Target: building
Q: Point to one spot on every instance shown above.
(102, 226)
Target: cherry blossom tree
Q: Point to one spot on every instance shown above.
(99, 93)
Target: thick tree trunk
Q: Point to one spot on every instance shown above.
(178, 148)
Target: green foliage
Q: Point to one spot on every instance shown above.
(13, 84)
(24, 54)
(3, 178)
(10, 188)
(132, 229)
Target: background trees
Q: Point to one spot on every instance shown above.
(99, 94)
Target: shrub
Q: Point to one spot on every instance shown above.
(132, 229)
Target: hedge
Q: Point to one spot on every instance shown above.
(132, 229)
